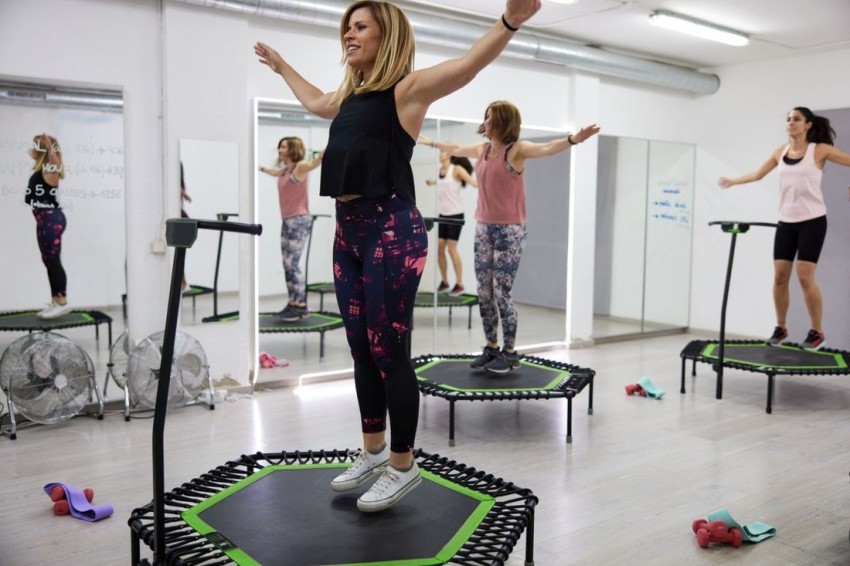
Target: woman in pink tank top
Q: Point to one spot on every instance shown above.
(802, 215)
(500, 232)
(296, 222)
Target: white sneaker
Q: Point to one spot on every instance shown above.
(365, 466)
(389, 489)
(55, 310)
(47, 307)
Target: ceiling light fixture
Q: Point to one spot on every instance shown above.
(698, 28)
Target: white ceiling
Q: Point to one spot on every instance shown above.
(777, 28)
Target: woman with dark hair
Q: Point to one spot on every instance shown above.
(381, 242)
(50, 221)
(500, 233)
(802, 215)
(296, 221)
(455, 174)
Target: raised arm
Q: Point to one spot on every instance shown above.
(530, 150)
(832, 153)
(420, 88)
(756, 175)
(274, 172)
(462, 175)
(313, 99)
(472, 151)
(305, 166)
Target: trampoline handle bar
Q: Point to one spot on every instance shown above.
(455, 221)
(240, 227)
(724, 222)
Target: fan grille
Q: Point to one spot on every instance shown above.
(189, 370)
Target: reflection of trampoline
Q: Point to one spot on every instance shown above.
(423, 299)
(757, 356)
(319, 322)
(451, 378)
(264, 507)
(29, 321)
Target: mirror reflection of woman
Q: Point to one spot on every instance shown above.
(381, 243)
(455, 174)
(296, 222)
(50, 221)
(500, 232)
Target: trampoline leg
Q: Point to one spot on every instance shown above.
(469, 320)
(109, 327)
(590, 397)
(694, 368)
(529, 540)
(769, 408)
(682, 386)
(569, 420)
(451, 423)
(321, 346)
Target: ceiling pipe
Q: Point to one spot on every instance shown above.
(438, 30)
(42, 95)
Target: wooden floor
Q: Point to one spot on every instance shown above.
(637, 473)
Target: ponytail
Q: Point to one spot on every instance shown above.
(821, 131)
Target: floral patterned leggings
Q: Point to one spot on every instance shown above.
(379, 253)
(498, 249)
(294, 232)
(50, 224)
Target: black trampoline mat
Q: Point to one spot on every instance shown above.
(197, 290)
(314, 322)
(778, 357)
(29, 320)
(426, 299)
(289, 514)
(456, 375)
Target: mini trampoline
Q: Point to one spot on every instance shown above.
(29, 321)
(756, 356)
(278, 508)
(451, 378)
(320, 322)
(264, 507)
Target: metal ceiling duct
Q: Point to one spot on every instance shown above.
(31, 94)
(436, 29)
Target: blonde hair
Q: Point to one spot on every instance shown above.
(395, 55)
(43, 154)
(294, 148)
(505, 121)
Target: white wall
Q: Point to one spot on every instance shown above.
(212, 76)
(738, 128)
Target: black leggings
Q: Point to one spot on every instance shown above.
(50, 224)
(802, 239)
(379, 253)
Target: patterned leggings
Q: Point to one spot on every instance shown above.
(379, 254)
(50, 224)
(498, 249)
(294, 232)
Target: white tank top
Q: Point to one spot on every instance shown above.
(449, 200)
(800, 197)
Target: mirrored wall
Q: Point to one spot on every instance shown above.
(88, 125)
(540, 289)
(644, 216)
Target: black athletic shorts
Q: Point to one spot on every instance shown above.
(801, 239)
(449, 231)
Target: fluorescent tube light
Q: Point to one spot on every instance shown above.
(698, 28)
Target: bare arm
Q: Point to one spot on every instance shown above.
(51, 174)
(530, 150)
(305, 166)
(420, 88)
(832, 153)
(756, 175)
(271, 171)
(452, 148)
(462, 175)
(307, 94)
